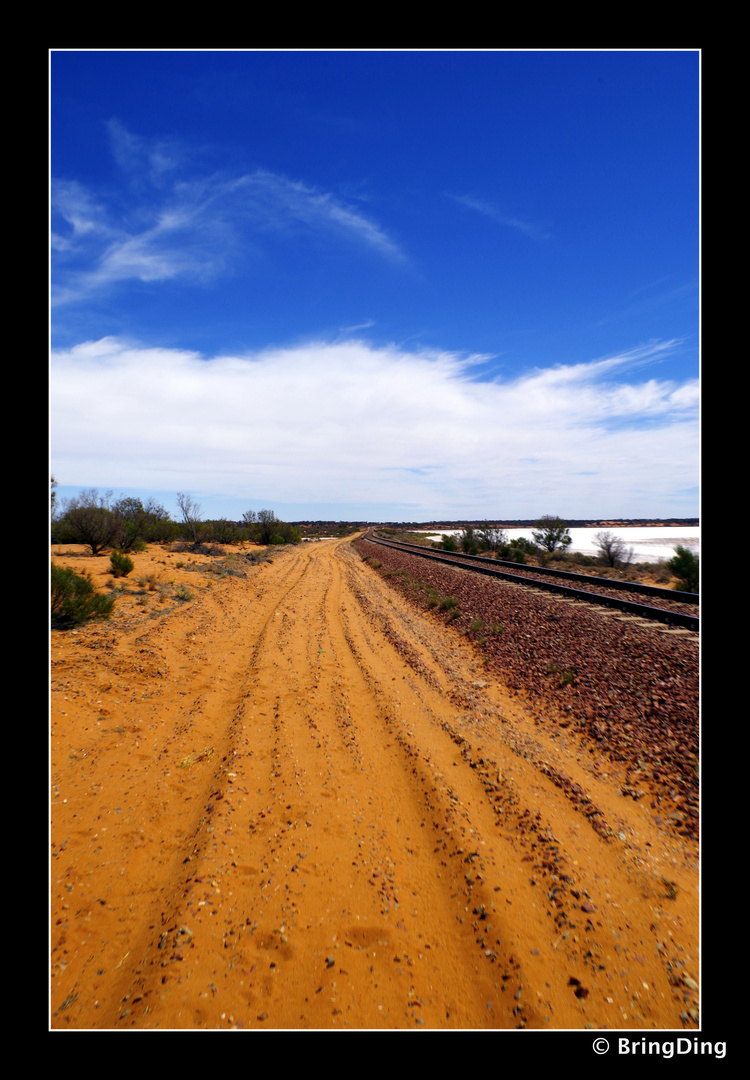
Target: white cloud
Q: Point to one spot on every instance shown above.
(349, 423)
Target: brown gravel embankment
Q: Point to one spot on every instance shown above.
(601, 588)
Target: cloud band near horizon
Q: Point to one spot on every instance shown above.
(348, 423)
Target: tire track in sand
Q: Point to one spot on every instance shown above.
(324, 903)
(125, 815)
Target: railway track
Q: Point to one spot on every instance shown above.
(578, 587)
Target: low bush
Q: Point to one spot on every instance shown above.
(685, 567)
(567, 674)
(230, 566)
(509, 553)
(577, 558)
(122, 564)
(449, 604)
(74, 600)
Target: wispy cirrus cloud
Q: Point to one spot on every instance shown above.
(276, 200)
(143, 158)
(650, 298)
(534, 230)
(81, 212)
(171, 221)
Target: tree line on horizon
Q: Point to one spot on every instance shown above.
(128, 524)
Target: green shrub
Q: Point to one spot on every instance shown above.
(685, 567)
(524, 544)
(511, 553)
(449, 604)
(121, 564)
(467, 541)
(567, 674)
(73, 599)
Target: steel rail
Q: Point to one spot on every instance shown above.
(478, 565)
(674, 595)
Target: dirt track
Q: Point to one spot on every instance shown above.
(297, 802)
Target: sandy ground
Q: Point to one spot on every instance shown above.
(293, 801)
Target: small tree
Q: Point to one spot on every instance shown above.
(90, 520)
(448, 542)
(467, 541)
(289, 533)
(612, 549)
(685, 566)
(492, 539)
(133, 518)
(138, 523)
(158, 524)
(222, 531)
(267, 523)
(248, 525)
(552, 533)
(191, 519)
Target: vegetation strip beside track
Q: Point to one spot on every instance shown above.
(478, 564)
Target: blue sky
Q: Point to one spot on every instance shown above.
(377, 285)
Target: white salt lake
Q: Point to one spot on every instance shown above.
(649, 544)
